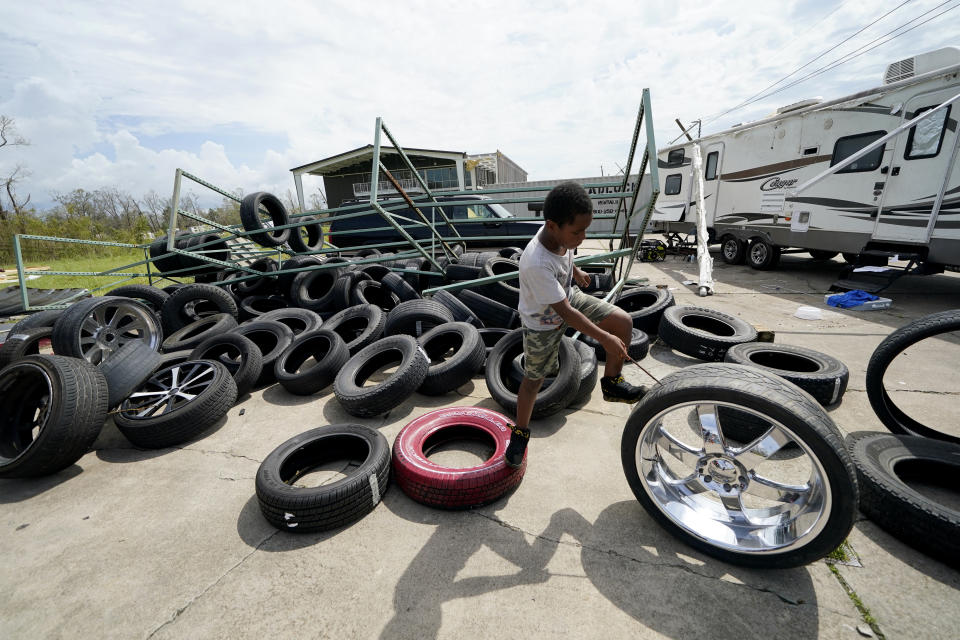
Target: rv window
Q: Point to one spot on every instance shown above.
(926, 136)
(672, 186)
(849, 145)
(711, 172)
(675, 158)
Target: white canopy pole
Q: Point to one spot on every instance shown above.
(703, 251)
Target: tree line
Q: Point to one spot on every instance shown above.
(106, 214)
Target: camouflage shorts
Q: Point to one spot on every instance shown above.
(541, 348)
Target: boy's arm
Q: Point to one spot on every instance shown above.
(611, 343)
(581, 277)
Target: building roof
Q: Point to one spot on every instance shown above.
(352, 157)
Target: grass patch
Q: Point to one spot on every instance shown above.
(858, 603)
(90, 263)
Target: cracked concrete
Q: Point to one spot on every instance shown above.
(171, 543)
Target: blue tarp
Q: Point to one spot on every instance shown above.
(850, 299)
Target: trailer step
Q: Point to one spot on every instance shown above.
(874, 281)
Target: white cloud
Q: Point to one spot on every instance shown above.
(554, 85)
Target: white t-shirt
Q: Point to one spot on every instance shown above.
(545, 279)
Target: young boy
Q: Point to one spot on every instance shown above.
(549, 304)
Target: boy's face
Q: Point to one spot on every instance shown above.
(572, 234)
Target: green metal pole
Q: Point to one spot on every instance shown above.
(21, 273)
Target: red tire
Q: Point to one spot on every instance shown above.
(454, 488)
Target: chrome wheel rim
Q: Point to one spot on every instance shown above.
(111, 325)
(734, 496)
(169, 389)
(759, 252)
(730, 249)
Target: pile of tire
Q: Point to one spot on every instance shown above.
(891, 466)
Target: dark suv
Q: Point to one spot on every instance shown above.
(491, 220)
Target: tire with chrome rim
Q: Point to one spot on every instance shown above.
(95, 328)
(740, 502)
(176, 404)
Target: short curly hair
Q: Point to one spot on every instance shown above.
(565, 202)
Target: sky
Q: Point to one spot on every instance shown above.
(120, 94)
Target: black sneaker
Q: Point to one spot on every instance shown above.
(619, 390)
(517, 447)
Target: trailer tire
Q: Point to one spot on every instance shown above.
(329, 506)
(892, 416)
(63, 399)
(250, 217)
(368, 402)
(444, 374)
(454, 488)
(762, 255)
(733, 250)
(703, 333)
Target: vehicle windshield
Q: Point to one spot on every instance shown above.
(500, 210)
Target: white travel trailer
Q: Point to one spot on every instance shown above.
(874, 173)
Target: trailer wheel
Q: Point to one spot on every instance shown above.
(762, 255)
(733, 250)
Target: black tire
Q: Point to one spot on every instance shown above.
(126, 369)
(509, 252)
(816, 519)
(822, 376)
(239, 354)
(468, 259)
(285, 280)
(45, 318)
(367, 402)
(762, 255)
(703, 333)
(196, 332)
(401, 287)
(94, 328)
(254, 307)
(22, 344)
(313, 290)
(250, 217)
(589, 373)
(328, 506)
(313, 231)
(63, 401)
(329, 353)
(150, 296)
(461, 271)
(638, 348)
(163, 261)
(343, 289)
(885, 462)
(733, 250)
(150, 424)
(416, 317)
(375, 293)
(851, 258)
(260, 286)
(459, 311)
(491, 336)
(645, 306)
(550, 400)
(893, 345)
(375, 271)
(299, 320)
(491, 312)
(193, 302)
(218, 249)
(172, 358)
(359, 326)
(505, 291)
(455, 353)
(271, 338)
(822, 254)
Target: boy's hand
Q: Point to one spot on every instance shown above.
(582, 278)
(614, 347)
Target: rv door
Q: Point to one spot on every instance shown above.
(712, 159)
(914, 173)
